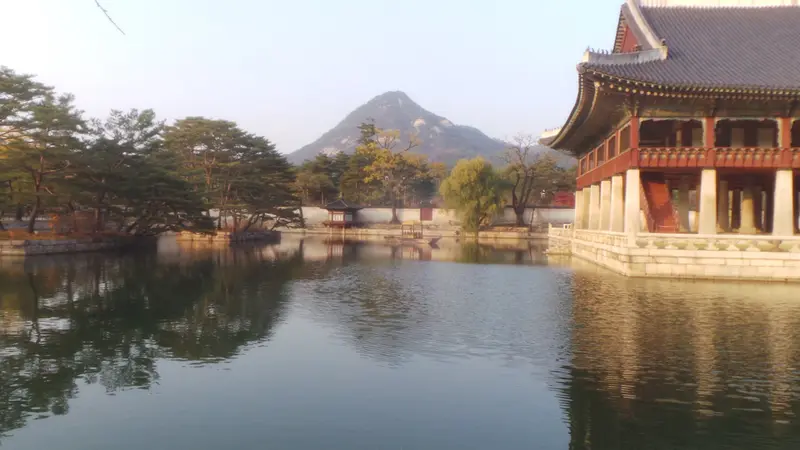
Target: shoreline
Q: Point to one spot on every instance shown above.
(372, 233)
(39, 247)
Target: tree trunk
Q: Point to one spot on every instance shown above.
(520, 213)
(34, 213)
(19, 213)
(395, 219)
(98, 220)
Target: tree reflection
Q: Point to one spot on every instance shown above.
(106, 320)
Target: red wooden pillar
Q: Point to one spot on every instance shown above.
(785, 132)
(709, 141)
(785, 141)
(633, 129)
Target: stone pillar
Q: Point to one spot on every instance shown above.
(605, 205)
(707, 217)
(736, 209)
(617, 203)
(723, 207)
(594, 207)
(683, 204)
(769, 195)
(633, 186)
(748, 220)
(578, 222)
(783, 203)
(758, 207)
(587, 196)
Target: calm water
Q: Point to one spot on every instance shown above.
(333, 346)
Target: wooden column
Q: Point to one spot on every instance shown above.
(785, 141)
(784, 132)
(633, 130)
(709, 140)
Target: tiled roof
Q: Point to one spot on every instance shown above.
(340, 205)
(747, 48)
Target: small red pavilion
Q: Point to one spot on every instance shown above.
(342, 214)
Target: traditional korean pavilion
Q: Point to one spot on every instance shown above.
(341, 214)
(689, 123)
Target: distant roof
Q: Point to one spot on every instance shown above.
(734, 47)
(341, 205)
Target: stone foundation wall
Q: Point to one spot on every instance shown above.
(389, 230)
(228, 236)
(55, 246)
(688, 256)
(559, 241)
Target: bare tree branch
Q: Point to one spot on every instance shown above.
(97, 2)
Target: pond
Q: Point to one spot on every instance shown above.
(341, 345)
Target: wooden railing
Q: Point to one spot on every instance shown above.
(746, 157)
(615, 165)
(692, 157)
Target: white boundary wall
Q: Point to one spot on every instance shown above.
(314, 216)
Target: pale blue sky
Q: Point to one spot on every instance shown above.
(290, 70)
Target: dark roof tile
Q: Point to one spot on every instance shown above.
(720, 47)
(340, 205)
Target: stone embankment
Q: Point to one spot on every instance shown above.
(518, 233)
(31, 247)
(231, 237)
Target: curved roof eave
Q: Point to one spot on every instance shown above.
(587, 96)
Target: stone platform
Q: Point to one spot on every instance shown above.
(692, 256)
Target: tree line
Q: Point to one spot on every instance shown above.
(131, 173)
(384, 172)
(477, 191)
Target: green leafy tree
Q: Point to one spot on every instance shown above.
(388, 165)
(475, 191)
(318, 179)
(40, 132)
(261, 190)
(239, 175)
(353, 186)
(109, 172)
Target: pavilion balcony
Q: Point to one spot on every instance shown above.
(689, 158)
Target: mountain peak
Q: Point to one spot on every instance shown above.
(441, 140)
(393, 95)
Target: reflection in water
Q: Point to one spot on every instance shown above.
(105, 319)
(668, 364)
(423, 349)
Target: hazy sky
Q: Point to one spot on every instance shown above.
(291, 69)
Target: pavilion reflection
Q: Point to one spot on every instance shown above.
(686, 364)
